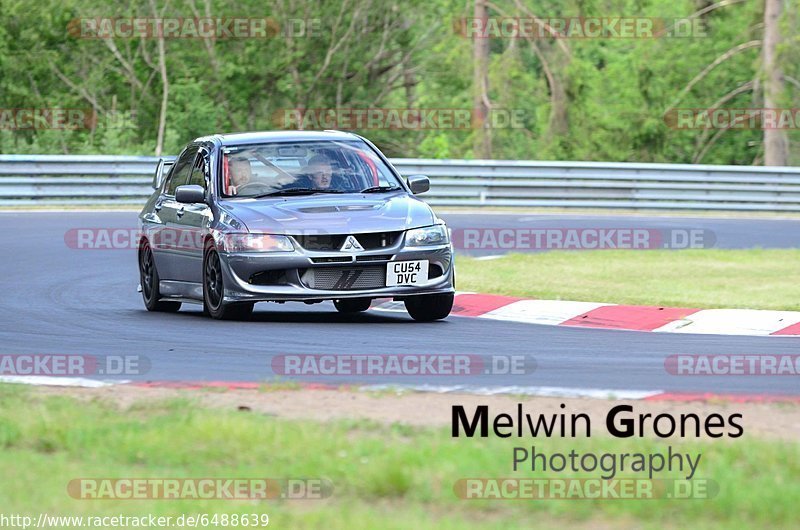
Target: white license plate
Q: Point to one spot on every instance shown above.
(406, 272)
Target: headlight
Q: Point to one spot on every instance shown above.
(430, 235)
(256, 243)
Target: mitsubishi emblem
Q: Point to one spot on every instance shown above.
(351, 244)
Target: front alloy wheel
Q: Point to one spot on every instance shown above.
(148, 278)
(214, 291)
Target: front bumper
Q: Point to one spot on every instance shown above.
(289, 273)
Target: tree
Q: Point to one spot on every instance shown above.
(776, 141)
(482, 106)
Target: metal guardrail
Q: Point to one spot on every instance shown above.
(91, 180)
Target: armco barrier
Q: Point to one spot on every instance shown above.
(92, 180)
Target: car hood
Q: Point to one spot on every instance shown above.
(334, 214)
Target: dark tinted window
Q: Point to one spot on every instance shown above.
(180, 173)
(200, 171)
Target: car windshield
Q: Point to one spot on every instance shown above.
(299, 168)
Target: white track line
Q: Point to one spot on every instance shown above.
(551, 312)
(543, 391)
(733, 322)
(42, 380)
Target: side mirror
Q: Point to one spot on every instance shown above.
(190, 194)
(418, 184)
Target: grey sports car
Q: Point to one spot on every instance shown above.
(291, 216)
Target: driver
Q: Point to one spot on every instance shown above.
(241, 173)
(320, 170)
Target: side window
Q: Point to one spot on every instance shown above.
(180, 173)
(165, 167)
(200, 170)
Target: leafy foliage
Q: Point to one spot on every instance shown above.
(361, 54)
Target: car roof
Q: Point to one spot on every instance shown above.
(276, 136)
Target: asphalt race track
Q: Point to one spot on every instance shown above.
(63, 300)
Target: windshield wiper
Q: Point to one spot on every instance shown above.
(295, 191)
(380, 189)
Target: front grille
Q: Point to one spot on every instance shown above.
(344, 278)
(371, 241)
(332, 259)
(378, 257)
(378, 240)
(321, 241)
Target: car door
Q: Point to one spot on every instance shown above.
(192, 222)
(167, 247)
(152, 224)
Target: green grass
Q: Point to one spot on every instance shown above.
(383, 476)
(754, 279)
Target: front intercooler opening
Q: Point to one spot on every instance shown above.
(344, 278)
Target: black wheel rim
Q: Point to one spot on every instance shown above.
(213, 280)
(148, 273)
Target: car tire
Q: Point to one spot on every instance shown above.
(214, 291)
(429, 307)
(148, 279)
(352, 305)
